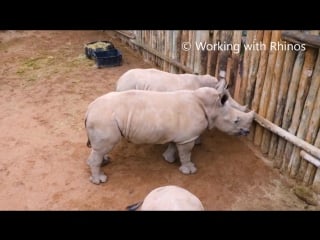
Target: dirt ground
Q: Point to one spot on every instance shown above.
(46, 84)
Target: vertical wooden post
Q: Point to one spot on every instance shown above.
(288, 111)
(284, 86)
(276, 76)
(246, 64)
(184, 53)
(253, 68)
(265, 96)
(260, 76)
(298, 115)
(234, 83)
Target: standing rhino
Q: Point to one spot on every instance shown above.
(155, 80)
(149, 117)
(167, 198)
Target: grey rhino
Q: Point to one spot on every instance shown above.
(168, 198)
(156, 80)
(149, 117)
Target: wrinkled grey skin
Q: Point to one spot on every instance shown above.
(149, 117)
(152, 79)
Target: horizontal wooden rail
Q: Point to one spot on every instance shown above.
(310, 158)
(314, 151)
(300, 37)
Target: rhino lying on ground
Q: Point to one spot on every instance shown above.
(149, 117)
(155, 80)
(169, 198)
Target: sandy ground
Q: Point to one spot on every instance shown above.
(46, 84)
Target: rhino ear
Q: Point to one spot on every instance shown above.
(223, 98)
(221, 86)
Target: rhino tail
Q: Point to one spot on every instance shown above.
(134, 207)
(88, 142)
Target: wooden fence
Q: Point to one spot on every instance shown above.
(276, 73)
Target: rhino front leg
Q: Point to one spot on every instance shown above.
(169, 154)
(94, 161)
(187, 167)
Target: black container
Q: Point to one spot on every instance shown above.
(90, 52)
(110, 58)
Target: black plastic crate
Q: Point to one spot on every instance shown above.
(110, 58)
(89, 51)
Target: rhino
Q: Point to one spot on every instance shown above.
(168, 198)
(150, 117)
(156, 80)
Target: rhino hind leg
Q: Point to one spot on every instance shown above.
(94, 161)
(169, 154)
(184, 150)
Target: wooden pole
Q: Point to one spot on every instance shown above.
(265, 96)
(298, 116)
(288, 111)
(263, 62)
(183, 52)
(253, 69)
(276, 76)
(246, 64)
(284, 86)
(309, 148)
(236, 41)
(301, 38)
(316, 181)
(309, 110)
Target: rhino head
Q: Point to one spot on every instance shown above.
(221, 114)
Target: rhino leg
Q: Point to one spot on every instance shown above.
(169, 154)
(95, 160)
(187, 167)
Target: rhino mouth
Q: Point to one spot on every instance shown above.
(243, 132)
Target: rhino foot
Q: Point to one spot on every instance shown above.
(188, 168)
(97, 179)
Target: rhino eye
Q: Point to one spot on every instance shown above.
(237, 120)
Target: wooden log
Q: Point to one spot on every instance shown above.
(236, 41)
(310, 158)
(284, 86)
(229, 69)
(309, 114)
(173, 51)
(214, 55)
(288, 111)
(204, 37)
(246, 65)
(260, 78)
(313, 128)
(316, 181)
(252, 76)
(301, 112)
(190, 59)
(261, 71)
(183, 53)
(275, 85)
(253, 69)
(301, 38)
(309, 148)
(266, 92)
(166, 66)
